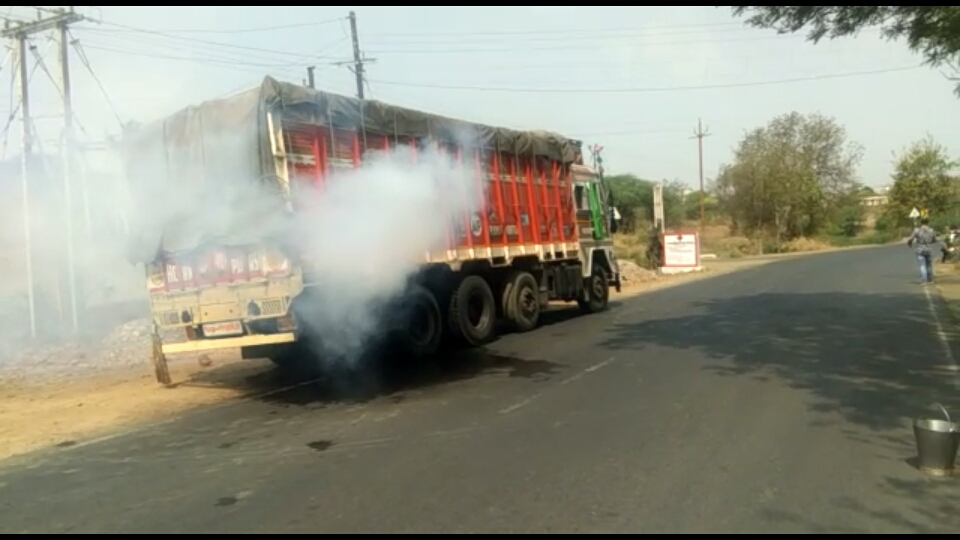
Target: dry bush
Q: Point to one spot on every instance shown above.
(798, 245)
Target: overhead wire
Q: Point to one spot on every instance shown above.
(53, 80)
(86, 63)
(650, 89)
(202, 41)
(240, 30)
(591, 36)
(638, 41)
(14, 110)
(565, 31)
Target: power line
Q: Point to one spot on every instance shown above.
(190, 53)
(200, 59)
(242, 61)
(238, 30)
(558, 31)
(639, 90)
(577, 47)
(605, 37)
(86, 63)
(202, 41)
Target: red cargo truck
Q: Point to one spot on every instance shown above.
(540, 234)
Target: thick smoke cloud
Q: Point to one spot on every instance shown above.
(368, 230)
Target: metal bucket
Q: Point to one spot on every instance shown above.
(937, 444)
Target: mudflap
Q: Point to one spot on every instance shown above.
(160, 368)
(616, 282)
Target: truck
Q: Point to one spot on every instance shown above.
(543, 232)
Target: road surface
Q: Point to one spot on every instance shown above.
(775, 399)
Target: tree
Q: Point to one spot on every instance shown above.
(790, 177)
(923, 178)
(634, 200)
(692, 204)
(933, 31)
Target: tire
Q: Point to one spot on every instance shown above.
(520, 302)
(421, 323)
(472, 313)
(596, 291)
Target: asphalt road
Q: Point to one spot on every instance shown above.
(776, 399)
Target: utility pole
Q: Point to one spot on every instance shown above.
(20, 31)
(310, 81)
(66, 163)
(357, 57)
(699, 136)
(26, 143)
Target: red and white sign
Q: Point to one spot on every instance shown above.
(681, 249)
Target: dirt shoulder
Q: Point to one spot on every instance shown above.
(63, 407)
(948, 284)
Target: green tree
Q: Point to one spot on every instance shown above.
(634, 199)
(790, 177)
(924, 178)
(711, 206)
(933, 31)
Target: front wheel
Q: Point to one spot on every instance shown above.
(596, 291)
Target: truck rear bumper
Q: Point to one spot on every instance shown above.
(228, 343)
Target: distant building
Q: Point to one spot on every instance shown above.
(874, 200)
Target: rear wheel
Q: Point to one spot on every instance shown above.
(596, 291)
(472, 312)
(421, 323)
(520, 302)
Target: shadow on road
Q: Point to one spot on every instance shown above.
(874, 359)
(310, 383)
(380, 373)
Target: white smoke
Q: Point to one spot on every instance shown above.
(368, 231)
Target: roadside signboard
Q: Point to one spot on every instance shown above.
(681, 250)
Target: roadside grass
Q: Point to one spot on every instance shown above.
(718, 240)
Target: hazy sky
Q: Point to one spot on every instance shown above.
(633, 79)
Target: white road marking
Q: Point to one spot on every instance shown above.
(590, 369)
(521, 404)
(942, 336)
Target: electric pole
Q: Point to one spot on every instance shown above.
(66, 159)
(699, 136)
(20, 31)
(26, 143)
(310, 81)
(357, 57)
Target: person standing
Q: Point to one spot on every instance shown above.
(923, 240)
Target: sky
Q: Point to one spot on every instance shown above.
(632, 79)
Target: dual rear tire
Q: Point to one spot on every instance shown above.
(472, 314)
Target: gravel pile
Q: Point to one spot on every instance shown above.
(126, 345)
(631, 273)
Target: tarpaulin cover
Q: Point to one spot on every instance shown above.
(220, 151)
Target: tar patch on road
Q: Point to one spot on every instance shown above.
(65, 444)
(226, 501)
(320, 446)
